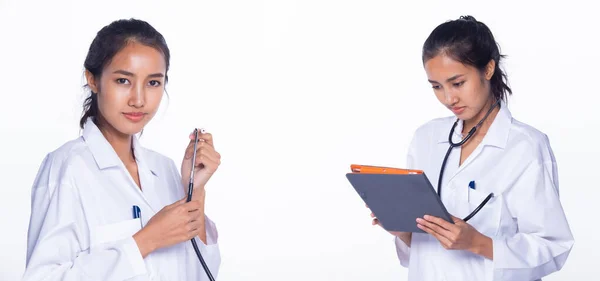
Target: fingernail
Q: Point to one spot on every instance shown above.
(426, 217)
(419, 220)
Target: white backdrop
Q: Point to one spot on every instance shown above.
(294, 92)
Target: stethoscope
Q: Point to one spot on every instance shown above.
(459, 144)
(189, 198)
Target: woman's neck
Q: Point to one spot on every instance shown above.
(486, 124)
(121, 143)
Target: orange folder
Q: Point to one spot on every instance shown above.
(365, 169)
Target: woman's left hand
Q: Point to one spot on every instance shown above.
(457, 236)
(207, 162)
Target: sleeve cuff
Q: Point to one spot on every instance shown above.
(210, 252)
(403, 251)
(134, 256)
(212, 235)
(498, 254)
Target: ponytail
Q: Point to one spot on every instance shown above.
(499, 83)
(90, 109)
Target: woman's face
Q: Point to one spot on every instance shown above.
(461, 88)
(130, 88)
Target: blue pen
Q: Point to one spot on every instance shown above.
(472, 185)
(137, 214)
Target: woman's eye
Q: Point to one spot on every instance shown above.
(122, 81)
(458, 84)
(154, 83)
(435, 87)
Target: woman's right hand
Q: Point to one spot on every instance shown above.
(173, 224)
(404, 236)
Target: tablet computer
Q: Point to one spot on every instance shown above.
(397, 197)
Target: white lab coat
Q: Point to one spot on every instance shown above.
(82, 222)
(525, 219)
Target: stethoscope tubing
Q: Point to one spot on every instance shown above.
(459, 144)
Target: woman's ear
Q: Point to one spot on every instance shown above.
(489, 69)
(91, 81)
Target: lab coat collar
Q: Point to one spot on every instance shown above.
(497, 134)
(140, 156)
(103, 152)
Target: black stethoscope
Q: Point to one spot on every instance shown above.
(189, 198)
(459, 144)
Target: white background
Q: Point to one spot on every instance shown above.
(294, 92)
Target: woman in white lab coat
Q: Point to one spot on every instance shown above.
(82, 224)
(522, 232)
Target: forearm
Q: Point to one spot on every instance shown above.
(145, 242)
(200, 196)
(406, 237)
(483, 246)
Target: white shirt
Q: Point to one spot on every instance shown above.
(82, 224)
(525, 219)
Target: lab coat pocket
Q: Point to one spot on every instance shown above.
(487, 220)
(113, 232)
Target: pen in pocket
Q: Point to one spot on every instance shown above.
(137, 214)
(471, 186)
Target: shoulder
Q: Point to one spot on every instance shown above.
(432, 129)
(57, 167)
(425, 135)
(533, 157)
(60, 159)
(530, 140)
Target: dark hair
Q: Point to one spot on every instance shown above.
(108, 42)
(470, 42)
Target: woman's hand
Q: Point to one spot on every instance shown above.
(207, 162)
(173, 224)
(457, 236)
